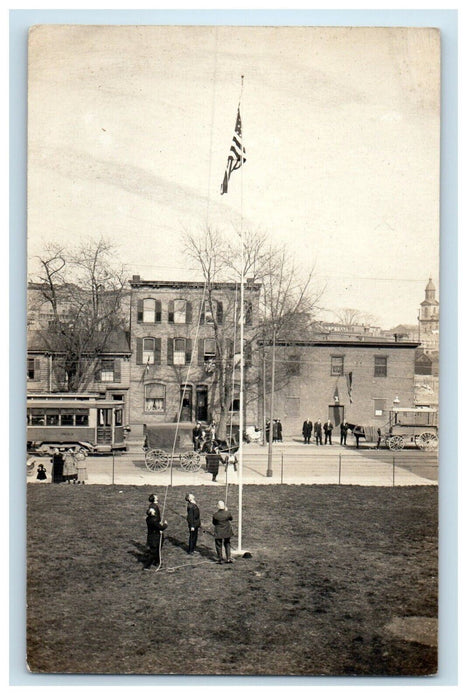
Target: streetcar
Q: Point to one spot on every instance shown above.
(87, 424)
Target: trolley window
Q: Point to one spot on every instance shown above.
(118, 416)
(37, 416)
(82, 416)
(104, 417)
(52, 416)
(66, 417)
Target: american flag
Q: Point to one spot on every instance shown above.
(236, 155)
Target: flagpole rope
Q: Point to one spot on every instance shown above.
(179, 417)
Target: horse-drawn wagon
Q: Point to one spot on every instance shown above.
(170, 444)
(417, 426)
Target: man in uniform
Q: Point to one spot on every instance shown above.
(328, 426)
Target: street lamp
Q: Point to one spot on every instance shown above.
(336, 399)
(396, 402)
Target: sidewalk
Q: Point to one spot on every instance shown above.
(292, 463)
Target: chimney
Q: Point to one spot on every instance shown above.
(136, 278)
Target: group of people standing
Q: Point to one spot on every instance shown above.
(317, 429)
(66, 467)
(276, 430)
(221, 520)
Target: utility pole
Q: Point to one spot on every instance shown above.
(264, 398)
(273, 372)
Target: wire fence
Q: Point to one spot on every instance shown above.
(366, 467)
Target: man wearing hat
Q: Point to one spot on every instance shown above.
(193, 520)
(156, 528)
(223, 531)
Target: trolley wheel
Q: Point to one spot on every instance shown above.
(156, 460)
(190, 462)
(396, 442)
(427, 441)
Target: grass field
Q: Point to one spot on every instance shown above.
(342, 581)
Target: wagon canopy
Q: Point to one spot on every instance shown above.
(162, 437)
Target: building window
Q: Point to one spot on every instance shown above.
(154, 398)
(380, 406)
(337, 365)
(293, 365)
(235, 403)
(381, 366)
(149, 347)
(107, 370)
(149, 310)
(179, 311)
(206, 313)
(248, 320)
(209, 349)
(32, 369)
(179, 351)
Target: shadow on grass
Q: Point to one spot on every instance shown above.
(202, 549)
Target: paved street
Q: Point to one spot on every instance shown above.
(293, 463)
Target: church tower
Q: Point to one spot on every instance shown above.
(429, 312)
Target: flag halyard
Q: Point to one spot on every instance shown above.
(236, 156)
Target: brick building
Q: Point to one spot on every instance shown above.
(174, 351)
(355, 381)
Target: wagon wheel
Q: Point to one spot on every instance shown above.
(396, 442)
(190, 462)
(156, 460)
(427, 441)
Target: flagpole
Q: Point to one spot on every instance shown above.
(242, 314)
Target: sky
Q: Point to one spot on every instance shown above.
(129, 130)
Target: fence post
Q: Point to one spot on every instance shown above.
(394, 470)
(340, 468)
(113, 467)
(282, 467)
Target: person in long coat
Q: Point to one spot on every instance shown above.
(223, 531)
(70, 470)
(155, 537)
(318, 432)
(57, 467)
(194, 521)
(328, 428)
(213, 459)
(307, 431)
(279, 430)
(344, 429)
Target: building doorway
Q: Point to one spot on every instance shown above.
(186, 401)
(201, 403)
(336, 414)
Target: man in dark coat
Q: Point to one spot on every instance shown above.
(213, 459)
(319, 432)
(307, 431)
(193, 520)
(344, 429)
(222, 531)
(328, 427)
(155, 536)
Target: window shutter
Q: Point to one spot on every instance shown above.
(170, 351)
(171, 312)
(37, 367)
(220, 312)
(139, 351)
(188, 350)
(200, 352)
(189, 312)
(248, 313)
(201, 315)
(117, 370)
(97, 371)
(157, 351)
(139, 311)
(230, 347)
(158, 318)
(247, 354)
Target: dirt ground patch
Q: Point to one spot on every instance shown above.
(332, 568)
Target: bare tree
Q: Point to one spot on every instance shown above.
(285, 306)
(82, 292)
(354, 317)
